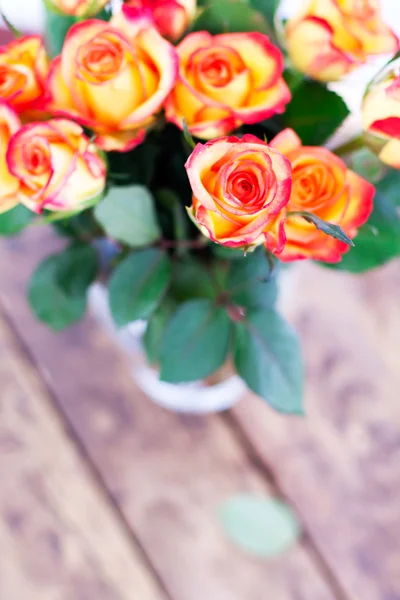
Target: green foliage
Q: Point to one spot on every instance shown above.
(331, 229)
(267, 356)
(57, 290)
(377, 242)
(267, 8)
(192, 279)
(251, 282)
(222, 16)
(155, 330)
(314, 112)
(127, 214)
(57, 27)
(136, 166)
(367, 165)
(15, 220)
(195, 342)
(263, 527)
(138, 285)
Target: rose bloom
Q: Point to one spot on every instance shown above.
(324, 186)
(240, 190)
(78, 8)
(172, 17)
(328, 38)
(9, 124)
(226, 80)
(113, 77)
(23, 71)
(56, 166)
(381, 119)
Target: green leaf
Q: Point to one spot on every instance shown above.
(227, 253)
(377, 242)
(77, 269)
(136, 166)
(191, 279)
(263, 527)
(138, 285)
(187, 135)
(221, 16)
(127, 214)
(267, 8)
(250, 281)
(314, 112)
(267, 356)
(57, 290)
(293, 78)
(389, 187)
(155, 330)
(195, 342)
(331, 229)
(57, 27)
(15, 220)
(16, 32)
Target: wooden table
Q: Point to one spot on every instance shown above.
(104, 496)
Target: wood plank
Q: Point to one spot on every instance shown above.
(340, 465)
(60, 538)
(169, 474)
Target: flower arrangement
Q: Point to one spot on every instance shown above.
(179, 149)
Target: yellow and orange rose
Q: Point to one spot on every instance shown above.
(113, 77)
(324, 186)
(328, 38)
(381, 119)
(78, 8)
(226, 80)
(9, 124)
(51, 166)
(240, 190)
(172, 17)
(23, 70)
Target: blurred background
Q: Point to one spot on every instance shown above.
(105, 496)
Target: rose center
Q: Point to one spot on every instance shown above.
(311, 184)
(100, 58)
(244, 187)
(36, 157)
(217, 70)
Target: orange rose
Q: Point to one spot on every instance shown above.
(113, 77)
(55, 165)
(23, 71)
(9, 124)
(381, 118)
(324, 186)
(78, 8)
(172, 17)
(328, 38)
(226, 80)
(240, 189)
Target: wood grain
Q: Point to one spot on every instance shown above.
(169, 474)
(59, 538)
(340, 464)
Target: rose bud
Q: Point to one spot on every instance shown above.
(329, 38)
(113, 77)
(381, 117)
(56, 165)
(226, 80)
(9, 124)
(171, 17)
(324, 186)
(23, 71)
(240, 190)
(78, 8)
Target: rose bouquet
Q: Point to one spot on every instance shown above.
(179, 149)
